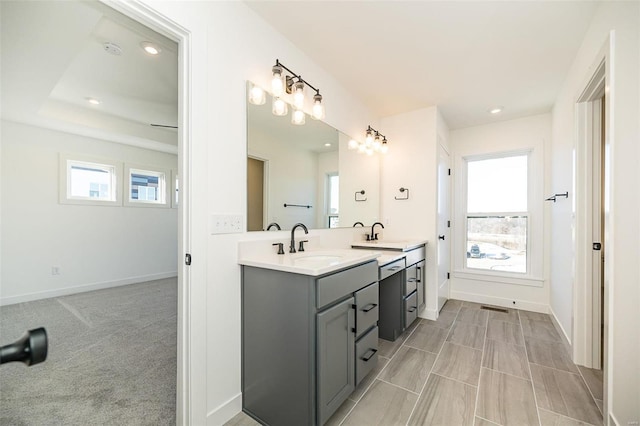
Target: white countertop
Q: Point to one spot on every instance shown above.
(311, 262)
(402, 245)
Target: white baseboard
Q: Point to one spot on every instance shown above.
(225, 412)
(21, 298)
(500, 301)
(430, 314)
(561, 331)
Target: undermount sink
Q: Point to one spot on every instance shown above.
(312, 263)
(316, 260)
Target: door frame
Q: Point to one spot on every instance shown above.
(447, 230)
(585, 297)
(185, 380)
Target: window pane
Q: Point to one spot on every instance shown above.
(497, 185)
(147, 186)
(91, 181)
(497, 243)
(334, 222)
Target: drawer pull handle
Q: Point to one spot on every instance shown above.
(369, 307)
(395, 268)
(411, 280)
(372, 353)
(412, 309)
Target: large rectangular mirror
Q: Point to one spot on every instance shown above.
(306, 173)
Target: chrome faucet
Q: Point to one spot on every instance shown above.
(373, 236)
(275, 225)
(292, 247)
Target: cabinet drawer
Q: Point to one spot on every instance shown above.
(391, 268)
(335, 286)
(366, 354)
(410, 309)
(416, 255)
(367, 308)
(410, 282)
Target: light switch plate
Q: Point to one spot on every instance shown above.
(226, 223)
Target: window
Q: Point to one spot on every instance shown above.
(333, 198)
(146, 186)
(497, 214)
(85, 180)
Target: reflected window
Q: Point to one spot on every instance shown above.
(333, 200)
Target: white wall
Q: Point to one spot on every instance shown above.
(621, 21)
(358, 172)
(219, 70)
(292, 179)
(94, 246)
(529, 133)
(412, 163)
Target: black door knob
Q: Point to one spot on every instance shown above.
(441, 237)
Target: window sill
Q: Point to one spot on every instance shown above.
(503, 278)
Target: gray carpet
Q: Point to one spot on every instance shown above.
(112, 358)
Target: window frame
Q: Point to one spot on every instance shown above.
(328, 214)
(163, 188)
(534, 214)
(67, 160)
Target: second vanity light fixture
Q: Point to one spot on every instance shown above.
(374, 141)
(294, 85)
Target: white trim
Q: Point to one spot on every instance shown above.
(500, 301)
(221, 414)
(64, 182)
(582, 284)
(175, 188)
(84, 288)
(190, 386)
(430, 314)
(505, 278)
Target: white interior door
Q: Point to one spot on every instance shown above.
(444, 225)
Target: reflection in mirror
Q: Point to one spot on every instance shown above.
(308, 168)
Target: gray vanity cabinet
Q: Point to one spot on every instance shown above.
(300, 335)
(336, 362)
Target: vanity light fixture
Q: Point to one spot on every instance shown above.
(374, 141)
(294, 85)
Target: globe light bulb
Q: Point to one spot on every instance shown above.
(362, 148)
(353, 144)
(298, 94)
(277, 84)
(257, 96)
(298, 117)
(318, 108)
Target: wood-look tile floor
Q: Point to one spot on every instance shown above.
(473, 367)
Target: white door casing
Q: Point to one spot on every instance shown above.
(444, 234)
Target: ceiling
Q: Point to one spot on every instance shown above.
(54, 59)
(395, 56)
(464, 56)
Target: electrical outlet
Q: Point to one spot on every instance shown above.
(226, 224)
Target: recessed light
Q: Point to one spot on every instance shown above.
(327, 144)
(496, 110)
(94, 101)
(151, 48)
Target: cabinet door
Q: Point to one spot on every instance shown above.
(422, 298)
(336, 358)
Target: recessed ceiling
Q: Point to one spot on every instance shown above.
(464, 56)
(54, 60)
